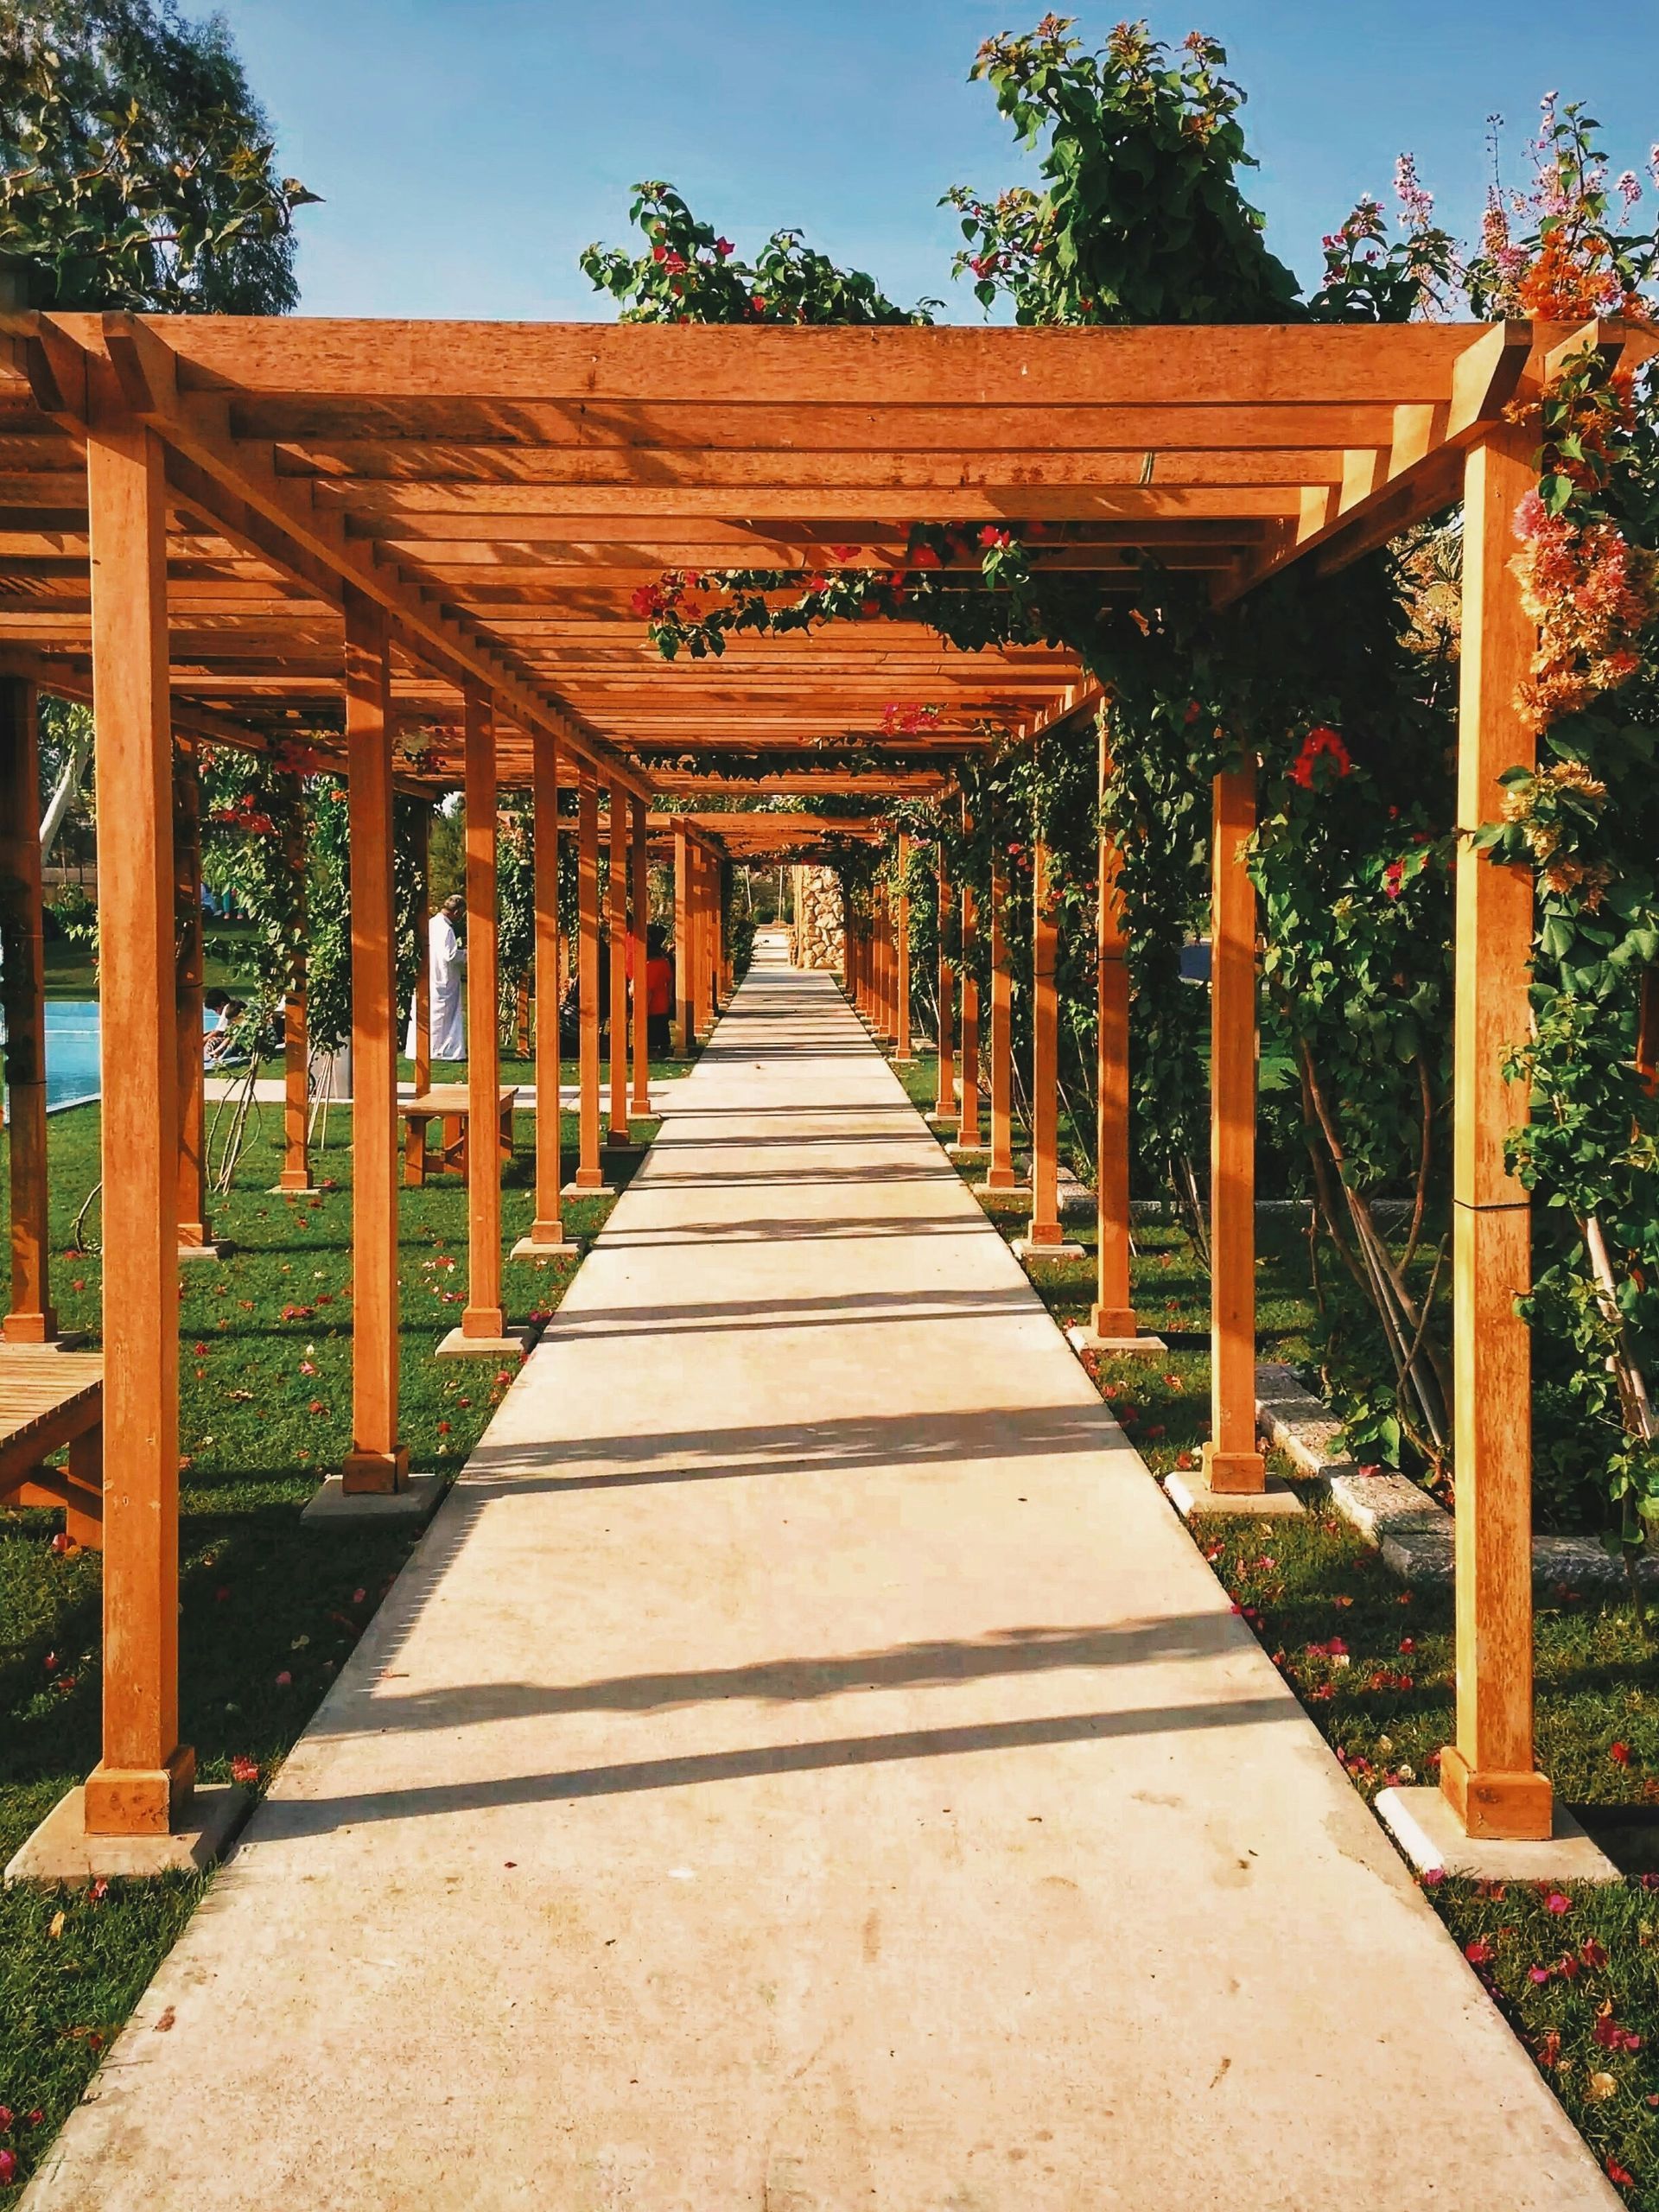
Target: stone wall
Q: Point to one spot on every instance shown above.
(817, 919)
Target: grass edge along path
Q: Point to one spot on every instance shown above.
(1575, 1972)
(269, 1609)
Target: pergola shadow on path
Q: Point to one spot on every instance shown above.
(410, 552)
(810, 1768)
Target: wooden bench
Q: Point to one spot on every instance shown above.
(49, 1399)
(448, 1104)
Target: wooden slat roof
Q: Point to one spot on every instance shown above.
(503, 489)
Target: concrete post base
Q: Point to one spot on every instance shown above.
(294, 1191)
(1431, 1836)
(960, 1151)
(1082, 1339)
(587, 1190)
(60, 1851)
(989, 1189)
(220, 1249)
(528, 1249)
(1189, 1494)
(1025, 1247)
(458, 1346)
(335, 1505)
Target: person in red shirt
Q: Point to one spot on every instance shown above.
(659, 992)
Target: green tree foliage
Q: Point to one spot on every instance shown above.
(138, 170)
(687, 273)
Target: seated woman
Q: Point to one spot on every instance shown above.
(222, 1047)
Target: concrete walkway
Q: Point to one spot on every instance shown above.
(808, 1767)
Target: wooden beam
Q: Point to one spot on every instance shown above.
(639, 949)
(547, 1230)
(684, 1012)
(590, 1176)
(1231, 1462)
(482, 1317)
(621, 961)
(1490, 1773)
(195, 1233)
(142, 1782)
(377, 1463)
(944, 1096)
(1000, 1175)
(296, 1042)
(1044, 1226)
(30, 1318)
(1112, 1317)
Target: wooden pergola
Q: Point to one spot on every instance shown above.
(417, 545)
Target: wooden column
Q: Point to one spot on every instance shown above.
(482, 1316)
(297, 1045)
(1231, 1461)
(1000, 1175)
(621, 961)
(1045, 1057)
(902, 1054)
(376, 1461)
(944, 1098)
(723, 938)
(423, 1054)
(711, 936)
(968, 1117)
(29, 1318)
(684, 1019)
(144, 1779)
(590, 1176)
(1490, 1773)
(638, 951)
(195, 1234)
(1113, 1316)
(548, 1228)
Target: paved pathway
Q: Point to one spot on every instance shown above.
(807, 1767)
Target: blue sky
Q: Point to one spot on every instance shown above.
(467, 149)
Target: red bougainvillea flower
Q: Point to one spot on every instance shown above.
(1617, 2174)
(1556, 1903)
(990, 535)
(724, 248)
(1393, 878)
(284, 1680)
(7, 2168)
(757, 303)
(1480, 1953)
(1320, 743)
(1619, 1754)
(244, 1769)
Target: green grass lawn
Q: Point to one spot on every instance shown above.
(1576, 1972)
(270, 1609)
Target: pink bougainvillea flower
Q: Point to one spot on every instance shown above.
(284, 1680)
(7, 2168)
(1480, 1953)
(5, 2119)
(1538, 1974)
(1557, 1903)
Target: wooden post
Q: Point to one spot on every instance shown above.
(29, 1318)
(1490, 1773)
(1045, 1057)
(195, 1234)
(944, 1098)
(638, 951)
(590, 1176)
(722, 901)
(967, 1118)
(483, 1316)
(297, 1043)
(1000, 1175)
(423, 1054)
(1231, 1461)
(377, 1462)
(621, 961)
(903, 1055)
(684, 1023)
(142, 1782)
(1113, 1317)
(711, 937)
(548, 1228)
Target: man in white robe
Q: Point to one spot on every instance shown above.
(447, 958)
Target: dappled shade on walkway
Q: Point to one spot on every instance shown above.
(808, 1766)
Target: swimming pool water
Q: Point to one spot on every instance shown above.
(72, 1066)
